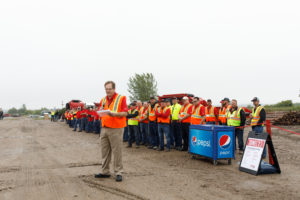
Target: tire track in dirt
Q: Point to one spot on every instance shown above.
(111, 190)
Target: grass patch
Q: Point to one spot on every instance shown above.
(289, 108)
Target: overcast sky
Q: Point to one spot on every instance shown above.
(58, 50)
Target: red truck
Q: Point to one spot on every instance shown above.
(74, 104)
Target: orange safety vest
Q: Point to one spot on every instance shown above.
(183, 113)
(152, 116)
(143, 113)
(196, 116)
(163, 120)
(209, 114)
(115, 106)
(222, 114)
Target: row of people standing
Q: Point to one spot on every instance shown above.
(150, 123)
(85, 119)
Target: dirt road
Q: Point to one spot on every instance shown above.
(44, 160)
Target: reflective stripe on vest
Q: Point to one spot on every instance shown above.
(184, 112)
(209, 114)
(152, 116)
(143, 115)
(196, 114)
(115, 106)
(223, 114)
(196, 117)
(133, 121)
(160, 119)
(234, 119)
(255, 116)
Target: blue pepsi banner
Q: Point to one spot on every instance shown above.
(225, 144)
(201, 142)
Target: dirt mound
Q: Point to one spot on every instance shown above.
(291, 118)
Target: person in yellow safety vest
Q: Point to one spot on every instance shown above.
(175, 132)
(223, 111)
(236, 117)
(52, 115)
(211, 113)
(133, 122)
(258, 118)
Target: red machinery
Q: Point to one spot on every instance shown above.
(74, 104)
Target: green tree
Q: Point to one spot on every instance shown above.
(286, 103)
(12, 111)
(142, 87)
(22, 110)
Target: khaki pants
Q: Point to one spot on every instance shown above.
(111, 144)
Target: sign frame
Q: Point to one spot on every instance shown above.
(268, 141)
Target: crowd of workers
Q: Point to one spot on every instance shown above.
(85, 119)
(150, 123)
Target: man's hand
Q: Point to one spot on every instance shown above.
(112, 114)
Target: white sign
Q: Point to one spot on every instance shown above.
(252, 154)
(102, 113)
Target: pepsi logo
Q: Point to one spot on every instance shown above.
(224, 141)
(194, 140)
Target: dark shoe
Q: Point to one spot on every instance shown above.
(74, 130)
(118, 178)
(79, 131)
(160, 149)
(137, 146)
(172, 147)
(150, 147)
(102, 175)
(129, 146)
(183, 149)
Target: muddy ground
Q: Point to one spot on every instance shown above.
(45, 160)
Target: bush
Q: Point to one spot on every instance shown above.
(286, 103)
